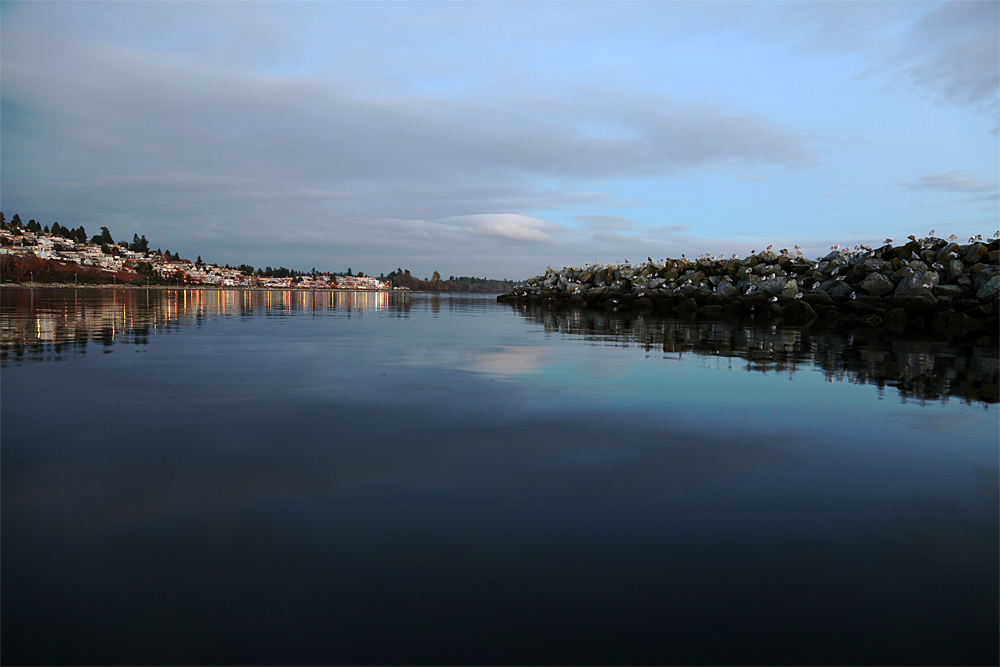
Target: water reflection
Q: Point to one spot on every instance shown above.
(918, 367)
(35, 323)
(46, 324)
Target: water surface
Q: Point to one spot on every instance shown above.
(287, 477)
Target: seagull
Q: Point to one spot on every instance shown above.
(768, 247)
(888, 240)
(996, 235)
(834, 272)
(909, 270)
(773, 299)
(914, 255)
(931, 233)
(784, 251)
(853, 295)
(841, 277)
(798, 296)
(835, 247)
(952, 255)
(734, 256)
(952, 238)
(937, 265)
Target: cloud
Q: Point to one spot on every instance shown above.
(954, 52)
(509, 226)
(608, 222)
(950, 181)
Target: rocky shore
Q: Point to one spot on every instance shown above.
(928, 283)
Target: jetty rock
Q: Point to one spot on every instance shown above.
(928, 282)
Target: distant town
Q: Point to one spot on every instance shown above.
(31, 252)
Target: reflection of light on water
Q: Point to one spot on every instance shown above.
(56, 317)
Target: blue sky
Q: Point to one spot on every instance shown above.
(495, 139)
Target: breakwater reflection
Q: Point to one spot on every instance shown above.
(37, 324)
(920, 368)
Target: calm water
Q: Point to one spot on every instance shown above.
(279, 477)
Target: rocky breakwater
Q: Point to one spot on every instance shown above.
(928, 283)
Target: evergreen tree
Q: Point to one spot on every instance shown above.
(16, 220)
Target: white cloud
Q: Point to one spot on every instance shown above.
(510, 226)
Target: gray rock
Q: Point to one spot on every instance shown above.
(790, 289)
(948, 291)
(921, 283)
(841, 289)
(877, 284)
(727, 291)
(767, 257)
(955, 268)
(772, 285)
(867, 266)
(976, 254)
(990, 289)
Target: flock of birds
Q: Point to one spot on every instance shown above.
(798, 253)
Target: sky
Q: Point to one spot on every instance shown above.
(496, 139)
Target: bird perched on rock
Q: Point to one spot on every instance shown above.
(798, 296)
(888, 241)
(914, 255)
(931, 233)
(953, 238)
(996, 235)
(912, 237)
(937, 265)
(784, 251)
(835, 247)
(773, 299)
(853, 295)
(650, 259)
(768, 247)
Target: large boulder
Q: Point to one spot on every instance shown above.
(790, 289)
(976, 254)
(919, 283)
(772, 286)
(990, 289)
(877, 284)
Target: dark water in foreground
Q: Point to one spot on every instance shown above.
(229, 477)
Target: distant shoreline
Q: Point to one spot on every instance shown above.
(220, 288)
